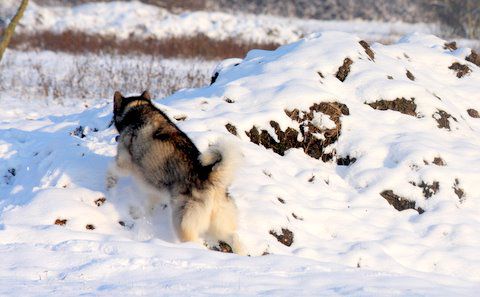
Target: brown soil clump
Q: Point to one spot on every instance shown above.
(344, 70)
(461, 69)
(310, 144)
(90, 227)
(428, 190)
(473, 113)
(399, 203)
(401, 105)
(100, 201)
(60, 222)
(410, 75)
(285, 238)
(438, 161)
(442, 117)
(223, 247)
(450, 45)
(474, 57)
(458, 191)
(368, 50)
(231, 128)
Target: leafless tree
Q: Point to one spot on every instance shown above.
(8, 33)
(462, 17)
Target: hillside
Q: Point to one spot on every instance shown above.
(359, 178)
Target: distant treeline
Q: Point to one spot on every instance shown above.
(458, 17)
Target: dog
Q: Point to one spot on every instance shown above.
(165, 163)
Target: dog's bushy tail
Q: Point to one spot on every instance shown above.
(224, 157)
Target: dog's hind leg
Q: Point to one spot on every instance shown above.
(223, 224)
(191, 218)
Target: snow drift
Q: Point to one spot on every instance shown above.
(358, 157)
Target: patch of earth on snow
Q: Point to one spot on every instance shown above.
(361, 175)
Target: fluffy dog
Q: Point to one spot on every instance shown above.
(166, 163)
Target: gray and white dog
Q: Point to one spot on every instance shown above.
(166, 163)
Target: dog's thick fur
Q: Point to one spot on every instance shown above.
(167, 163)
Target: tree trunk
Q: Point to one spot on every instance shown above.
(7, 35)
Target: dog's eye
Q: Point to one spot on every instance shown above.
(117, 137)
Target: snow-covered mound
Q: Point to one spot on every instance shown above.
(127, 19)
(363, 159)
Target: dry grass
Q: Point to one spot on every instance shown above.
(60, 77)
(173, 47)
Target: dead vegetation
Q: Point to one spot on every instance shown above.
(95, 76)
(200, 45)
(401, 105)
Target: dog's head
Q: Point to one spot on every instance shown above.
(121, 105)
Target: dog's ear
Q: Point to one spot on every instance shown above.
(117, 101)
(146, 95)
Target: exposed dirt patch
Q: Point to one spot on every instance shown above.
(389, 77)
(474, 57)
(312, 179)
(231, 128)
(442, 117)
(345, 161)
(60, 222)
(458, 191)
(401, 105)
(320, 74)
(344, 70)
(473, 113)
(438, 161)
(410, 75)
(399, 203)
(90, 227)
(368, 50)
(228, 100)
(428, 189)
(79, 132)
(281, 200)
(100, 201)
(223, 247)
(460, 69)
(126, 225)
(285, 238)
(450, 45)
(310, 143)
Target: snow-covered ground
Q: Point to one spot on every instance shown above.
(62, 233)
(126, 19)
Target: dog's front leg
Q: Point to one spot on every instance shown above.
(121, 166)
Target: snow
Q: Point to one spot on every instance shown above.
(133, 18)
(347, 239)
